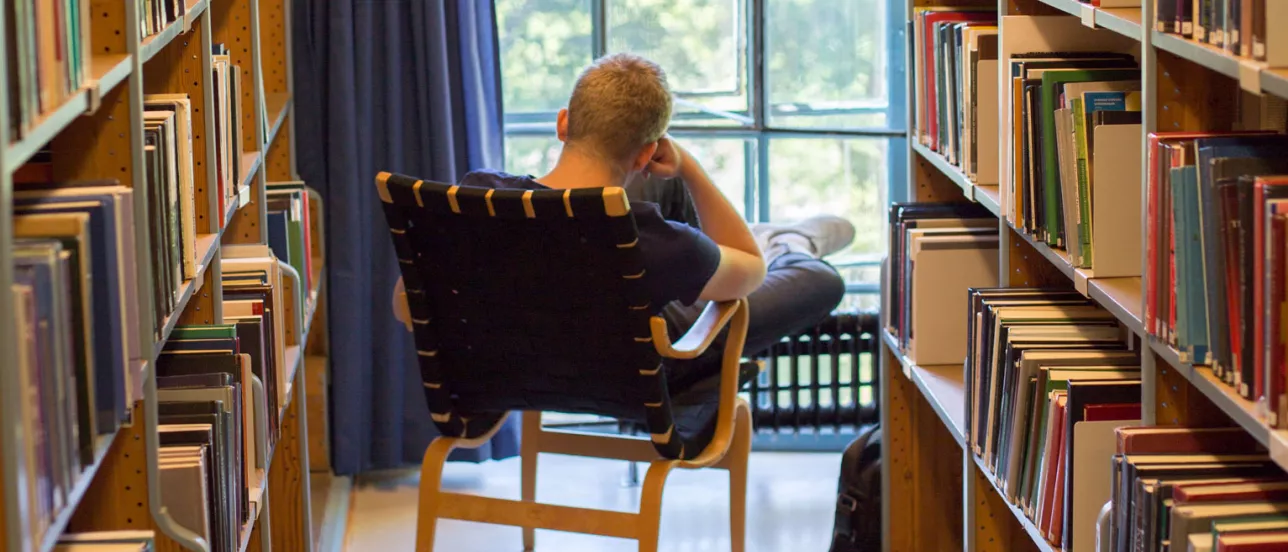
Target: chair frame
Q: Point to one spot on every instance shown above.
(729, 450)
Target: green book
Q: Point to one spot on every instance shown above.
(1057, 380)
(1052, 85)
(215, 331)
(1084, 104)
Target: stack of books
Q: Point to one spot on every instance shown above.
(1064, 103)
(106, 541)
(1048, 379)
(1236, 26)
(207, 431)
(1218, 221)
(48, 45)
(74, 267)
(229, 140)
(955, 76)
(937, 252)
(1196, 489)
(167, 136)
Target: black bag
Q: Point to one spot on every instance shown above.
(858, 503)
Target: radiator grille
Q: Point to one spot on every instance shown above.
(819, 381)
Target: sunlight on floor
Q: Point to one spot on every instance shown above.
(790, 504)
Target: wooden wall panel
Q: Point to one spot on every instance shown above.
(929, 184)
(274, 46)
(97, 146)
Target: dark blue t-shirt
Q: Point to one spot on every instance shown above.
(678, 259)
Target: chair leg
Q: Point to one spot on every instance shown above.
(431, 478)
(650, 520)
(528, 448)
(738, 453)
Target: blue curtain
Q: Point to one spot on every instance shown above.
(410, 86)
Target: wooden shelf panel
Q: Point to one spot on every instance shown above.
(207, 245)
(250, 164)
(1242, 411)
(1122, 297)
(1253, 76)
(101, 444)
(1124, 21)
(151, 45)
(955, 174)
(277, 105)
(1034, 534)
(942, 386)
(44, 129)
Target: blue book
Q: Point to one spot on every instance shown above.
(1104, 101)
(278, 235)
(1182, 329)
(108, 303)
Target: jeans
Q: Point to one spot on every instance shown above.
(799, 291)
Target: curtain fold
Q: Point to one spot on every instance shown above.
(410, 86)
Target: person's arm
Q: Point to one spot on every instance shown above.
(742, 267)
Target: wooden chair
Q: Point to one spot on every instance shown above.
(533, 301)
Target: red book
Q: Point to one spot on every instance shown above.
(1269, 541)
(932, 19)
(1111, 412)
(1259, 281)
(1227, 197)
(1251, 491)
(1186, 440)
(1055, 520)
(308, 243)
(1151, 230)
(1052, 462)
(1274, 331)
(1171, 260)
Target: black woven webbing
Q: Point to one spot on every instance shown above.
(518, 306)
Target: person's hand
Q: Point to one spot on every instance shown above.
(667, 160)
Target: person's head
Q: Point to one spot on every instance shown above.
(620, 107)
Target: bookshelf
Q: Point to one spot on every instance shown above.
(97, 132)
(1186, 86)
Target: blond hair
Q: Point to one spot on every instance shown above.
(620, 103)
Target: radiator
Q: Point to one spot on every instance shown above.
(822, 381)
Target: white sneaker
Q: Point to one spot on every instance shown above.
(824, 235)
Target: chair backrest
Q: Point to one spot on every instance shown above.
(525, 300)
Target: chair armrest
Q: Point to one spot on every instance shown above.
(698, 338)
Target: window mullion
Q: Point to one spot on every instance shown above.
(598, 28)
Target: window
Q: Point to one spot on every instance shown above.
(795, 107)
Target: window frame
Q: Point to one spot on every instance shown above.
(754, 128)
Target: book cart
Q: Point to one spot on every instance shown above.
(97, 133)
(937, 496)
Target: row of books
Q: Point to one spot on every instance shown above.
(1218, 227)
(1236, 26)
(167, 136)
(290, 228)
(1061, 102)
(1195, 489)
(955, 80)
(1048, 378)
(48, 46)
(216, 431)
(107, 541)
(937, 251)
(229, 140)
(156, 15)
(75, 267)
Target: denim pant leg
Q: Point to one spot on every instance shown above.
(798, 292)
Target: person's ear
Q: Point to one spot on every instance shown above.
(644, 156)
(561, 125)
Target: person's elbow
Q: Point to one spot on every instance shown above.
(738, 274)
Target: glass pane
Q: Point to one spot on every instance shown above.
(531, 155)
(702, 45)
(544, 45)
(725, 160)
(826, 63)
(839, 176)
